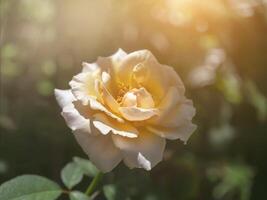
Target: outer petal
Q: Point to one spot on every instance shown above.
(173, 79)
(137, 114)
(110, 64)
(83, 86)
(71, 115)
(100, 149)
(75, 120)
(105, 126)
(145, 151)
(64, 97)
(118, 56)
(182, 132)
(90, 67)
(105, 63)
(178, 115)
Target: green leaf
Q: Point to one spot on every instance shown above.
(76, 195)
(71, 174)
(29, 187)
(88, 168)
(109, 192)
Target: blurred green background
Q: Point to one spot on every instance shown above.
(218, 47)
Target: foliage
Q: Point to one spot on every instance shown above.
(29, 187)
(33, 187)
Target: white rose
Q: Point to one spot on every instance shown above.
(123, 107)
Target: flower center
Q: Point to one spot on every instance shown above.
(123, 89)
(138, 97)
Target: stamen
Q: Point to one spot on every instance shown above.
(123, 89)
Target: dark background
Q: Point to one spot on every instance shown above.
(218, 47)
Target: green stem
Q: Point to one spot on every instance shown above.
(94, 184)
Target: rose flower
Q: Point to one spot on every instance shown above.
(123, 107)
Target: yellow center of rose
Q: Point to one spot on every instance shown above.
(123, 89)
(137, 97)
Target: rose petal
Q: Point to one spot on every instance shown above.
(178, 115)
(138, 98)
(64, 97)
(110, 101)
(105, 77)
(137, 114)
(182, 132)
(167, 105)
(145, 151)
(85, 83)
(143, 68)
(183, 112)
(90, 67)
(144, 98)
(170, 100)
(105, 126)
(83, 86)
(136, 59)
(72, 116)
(173, 79)
(75, 120)
(100, 149)
(79, 91)
(106, 95)
(110, 63)
(98, 106)
(129, 99)
(118, 56)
